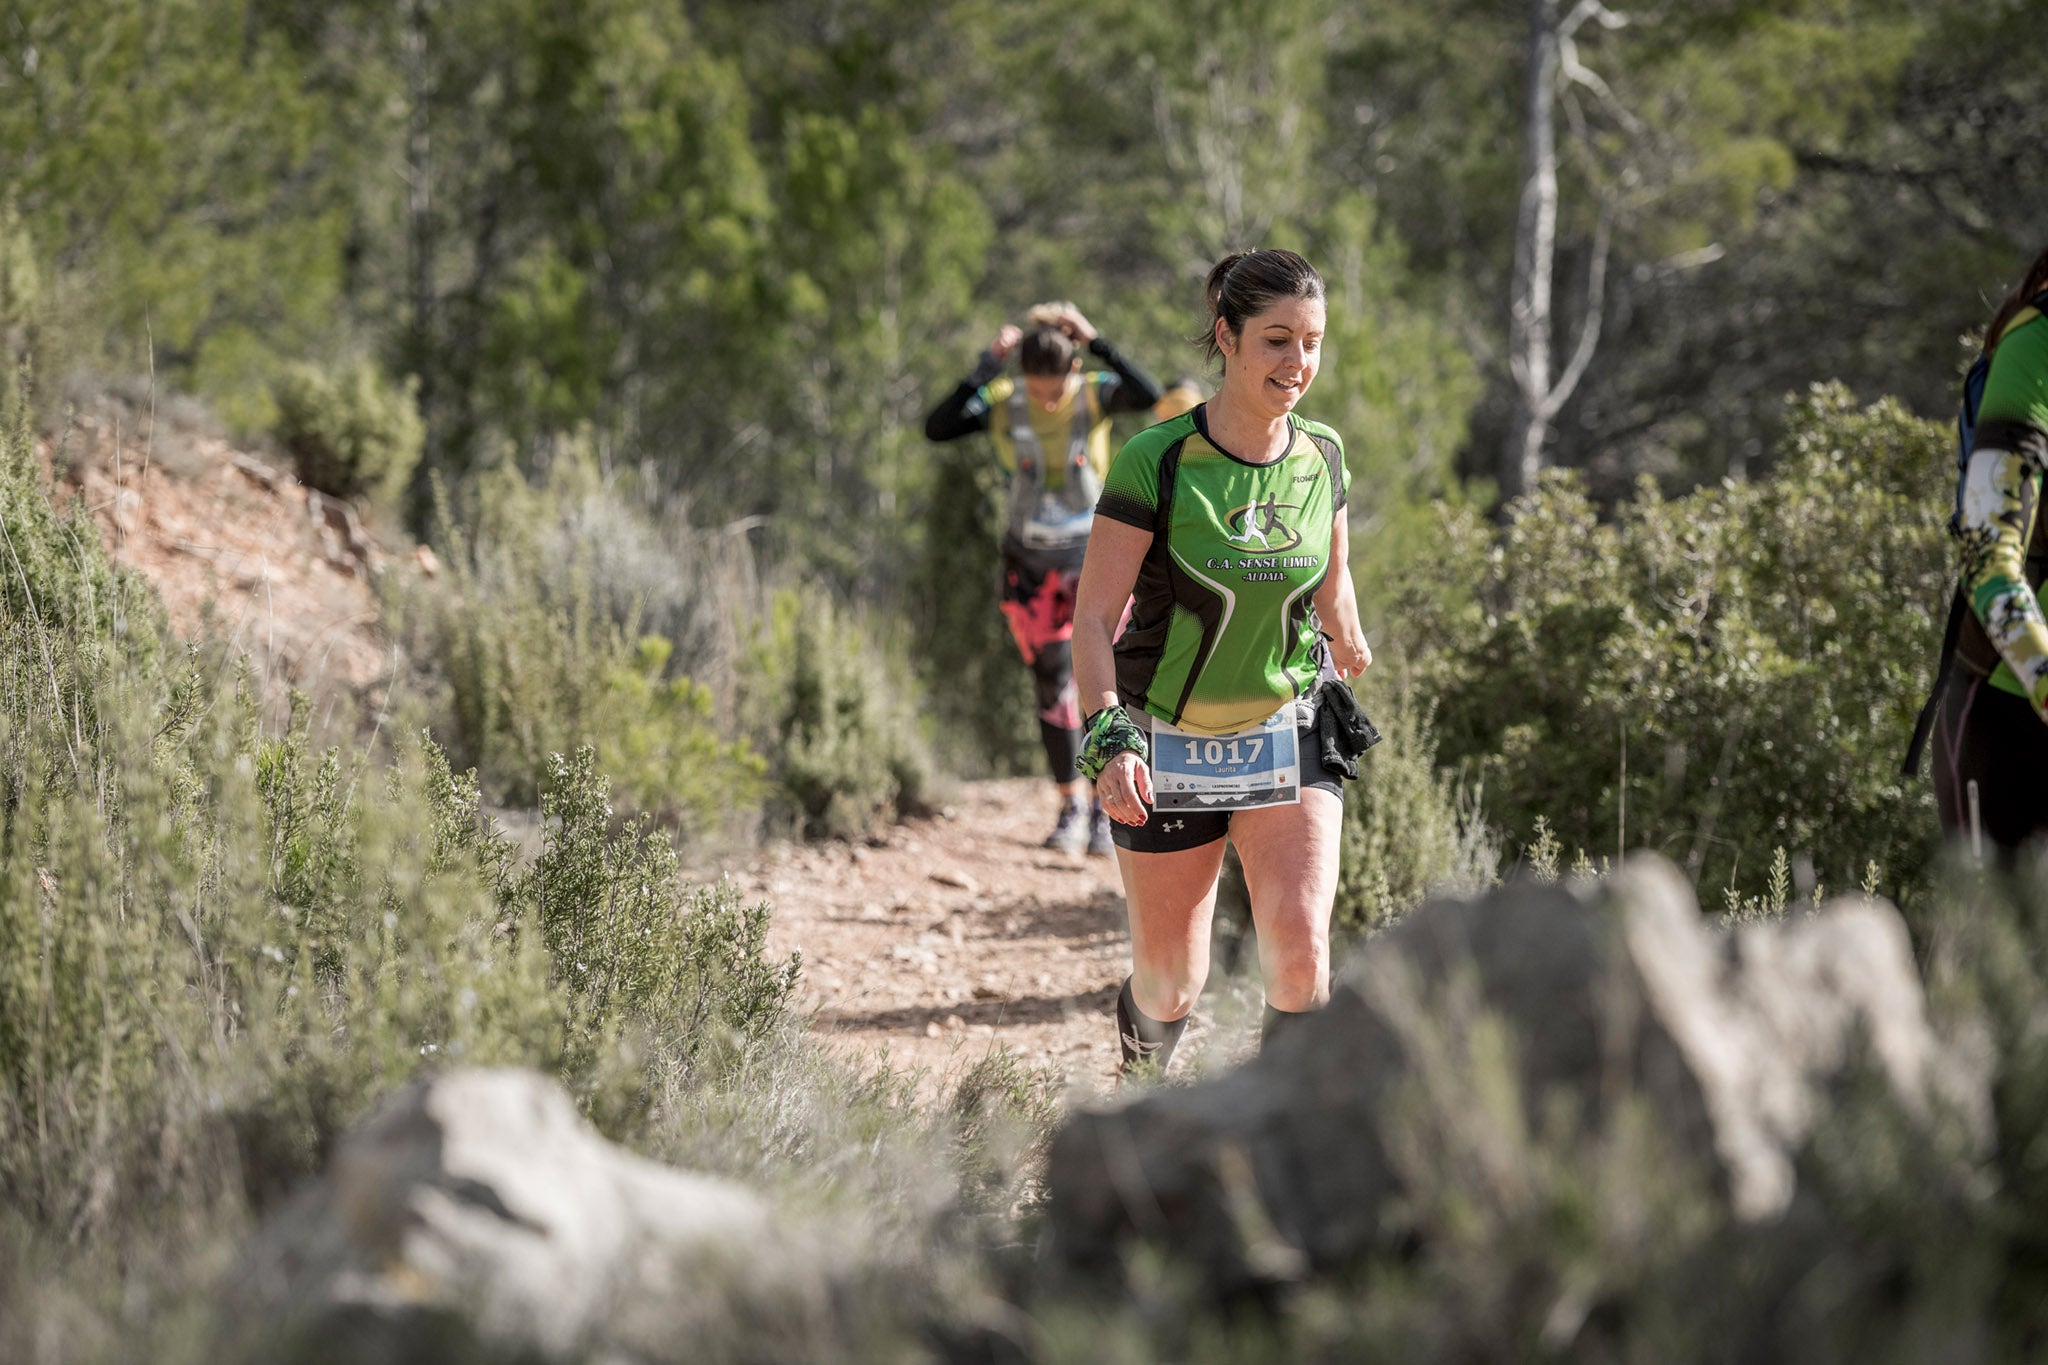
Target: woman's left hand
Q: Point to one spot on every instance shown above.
(1349, 653)
(1125, 790)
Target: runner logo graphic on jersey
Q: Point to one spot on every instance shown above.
(1258, 523)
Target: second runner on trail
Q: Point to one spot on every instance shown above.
(1050, 429)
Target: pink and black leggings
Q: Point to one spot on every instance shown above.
(1038, 603)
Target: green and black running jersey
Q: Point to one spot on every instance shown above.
(1222, 630)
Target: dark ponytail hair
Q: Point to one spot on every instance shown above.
(1245, 284)
(1045, 351)
(2030, 288)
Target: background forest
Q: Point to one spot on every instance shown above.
(722, 257)
(1646, 321)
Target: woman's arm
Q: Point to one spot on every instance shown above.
(2001, 493)
(1116, 551)
(1134, 389)
(1337, 606)
(964, 410)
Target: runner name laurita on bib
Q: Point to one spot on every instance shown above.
(1258, 766)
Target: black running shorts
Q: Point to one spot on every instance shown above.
(1173, 831)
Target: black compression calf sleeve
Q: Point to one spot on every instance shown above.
(1278, 1024)
(1145, 1039)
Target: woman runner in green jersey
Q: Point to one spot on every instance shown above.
(1225, 529)
(1991, 732)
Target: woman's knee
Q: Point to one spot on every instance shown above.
(1296, 968)
(1168, 990)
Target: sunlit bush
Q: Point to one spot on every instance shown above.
(534, 647)
(1726, 672)
(1409, 826)
(353, 432)
(834, 710)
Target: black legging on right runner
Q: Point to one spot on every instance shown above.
(1992, 737)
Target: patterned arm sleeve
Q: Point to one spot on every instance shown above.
(2001, 493)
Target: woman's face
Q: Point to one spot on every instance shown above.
(1270, 365)
(1046, 390)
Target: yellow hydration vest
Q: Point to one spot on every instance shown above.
(1052, 498)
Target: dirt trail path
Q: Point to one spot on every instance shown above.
(952, 934)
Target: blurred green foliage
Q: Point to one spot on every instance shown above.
(538, 649)
(220, 945)
(1411, 825)
(746, 245)
(218, 940)
(1714, 675)
(834, 709)
(737, 250)
(353, 433)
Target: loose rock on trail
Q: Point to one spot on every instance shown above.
(945, 937)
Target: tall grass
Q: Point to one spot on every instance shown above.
(579, 611)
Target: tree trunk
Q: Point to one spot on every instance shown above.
(1529, 320)
(1541, 388)
(419, 208)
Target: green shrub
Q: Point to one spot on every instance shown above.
(56, 579)
(660, 736)
(631, 946)
(1005, 1114)
(1735, 669)
(218, 945)
(535, 643)
(353, 432)
(835, 715)
(21, 303)
(1409, 828)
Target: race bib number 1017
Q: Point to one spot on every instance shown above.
(1257, 767)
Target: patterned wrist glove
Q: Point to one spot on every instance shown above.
(1110, 732)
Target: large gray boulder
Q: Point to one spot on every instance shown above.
(477, 1214)
(1586, 999)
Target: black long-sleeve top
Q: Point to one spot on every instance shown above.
(1126, 388)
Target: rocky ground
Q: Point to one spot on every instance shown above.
(949, 935)
(956, 934)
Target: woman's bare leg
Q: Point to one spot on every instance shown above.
(1171, 898)
(1290, 867)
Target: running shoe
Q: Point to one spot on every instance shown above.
(1070, 834)
(1099, 841)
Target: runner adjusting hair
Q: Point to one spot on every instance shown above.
(1050, 429)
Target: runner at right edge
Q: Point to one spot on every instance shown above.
(1221, 709)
